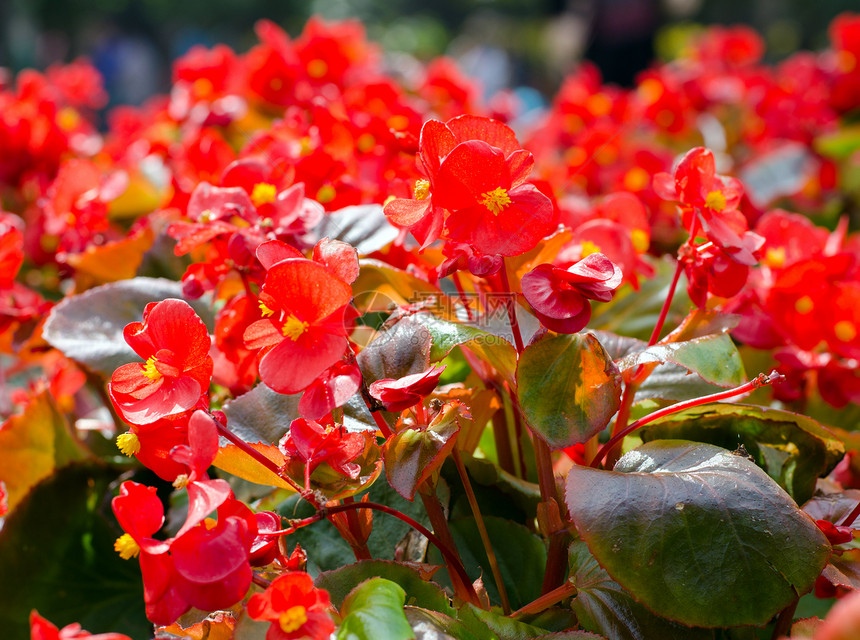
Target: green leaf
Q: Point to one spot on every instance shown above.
(697, 534)
(432, 625)
(568, 388)
(503, 627)
(262, 414)
(374, 610)
(602, 606)
(714, 358)
(520, 553)
(840, 144)
(413, 455)
(380, 285)
(88, 327)
(419, 592)
(634, 313)
(524, 494)
(56, 556)
(33, 444)
(793, 449)
(491, 348)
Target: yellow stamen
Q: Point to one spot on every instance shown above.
(326, 194)
(845, 331)
(263, 193)
(775, 257)
(365, 142)
(421, 190)
(317, 68)
(126, 547)
(293, 618)
(210, 523)
(496, 200)
(715, 200)
(640, 240)
(181, 481)
(588, 247)
(636, 179)
(265, 310)
(128, 443)
(803, 305)
(294, 327)
(149, 369)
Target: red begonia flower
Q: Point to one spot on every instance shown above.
(41, 629)
(560, 296)
(315, 443)
(295, 608)
(330, 390)
(407, 391)
(175, 344)
(492, 208)
(204, 566)
(303, 333)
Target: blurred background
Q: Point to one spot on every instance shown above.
(502, 43)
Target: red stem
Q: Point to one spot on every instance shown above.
(463, 297)
(451, 559)
(511, 305)
(759, 381)
(546, 600)
(259, 457)
(655, 335)
(851, 517)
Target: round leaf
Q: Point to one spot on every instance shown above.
(374, 610)
(568, 388)
(697, 534)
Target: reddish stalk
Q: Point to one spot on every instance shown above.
(851, 517)
(510, 304)
(256, 455)
(757, 382)
(451, 559)
(661, 320)
(546, 600)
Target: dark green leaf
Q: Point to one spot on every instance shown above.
(419, 592)
(262, 414)
(88, 327)
(520, 553)
(794, 450)
(602, 606)
(57, 556)
(699, 535)
(568, 388)
(402, 350)
(714, 358)
(432, 625)
(503, 627)
(374, 610)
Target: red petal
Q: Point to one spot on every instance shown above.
(471, 127)
(204, 497)
(274, 251)
(340, 257)
(292, 366)
(138, 510)
(470, 170)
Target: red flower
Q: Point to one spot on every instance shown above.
(205, 566)
(408, 391)
(41, 629)
(560, 296)
(295, 608)
(315, 443)
(333, 388)
(303, 333)
(175, 344)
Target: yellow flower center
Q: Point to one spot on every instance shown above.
(210, 523)
(128, 443)
(845, 331)
(422, 189)
(149, 369)
(293, 618)
(326, 194)
(126, 547)
(640, 240)
(263, 193)
(588, 247)
(181, 481)
(636, 179)
(317, 68)
(775, 257)
(803, 305)
(496, 200)
(265, 310)
(715, 200)
(294, 327)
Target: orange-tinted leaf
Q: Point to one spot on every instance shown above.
(33, 444)
(112, 261)
(233, 460)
